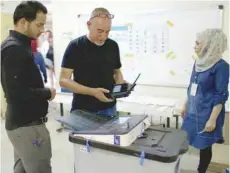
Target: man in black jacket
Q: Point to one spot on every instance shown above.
(27, 98)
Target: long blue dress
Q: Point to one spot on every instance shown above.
(212, 89)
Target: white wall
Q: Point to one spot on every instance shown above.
(225, 27)
(9, 7)
(62, 23)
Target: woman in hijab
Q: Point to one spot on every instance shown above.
(203, 112)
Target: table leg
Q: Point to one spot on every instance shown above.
(61, 109)
(168, 122)
(62, 114)
(177, 122)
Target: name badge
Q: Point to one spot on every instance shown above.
(193, 89)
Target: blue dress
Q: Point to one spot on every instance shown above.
(212, 89)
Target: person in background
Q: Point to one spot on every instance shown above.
(50, 55)
(39, 60)
(204, 109)
(50, 58)
(94, 61)
(45, 42)
(27, 98)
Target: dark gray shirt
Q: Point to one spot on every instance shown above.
(22, 82)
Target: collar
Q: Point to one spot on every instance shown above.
(21, 37)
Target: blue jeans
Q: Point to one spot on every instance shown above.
(108, 112)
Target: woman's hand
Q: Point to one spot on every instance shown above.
(183, 109)
(210, 125)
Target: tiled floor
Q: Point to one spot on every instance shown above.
(62, 160)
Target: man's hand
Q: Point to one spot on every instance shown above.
(210, 125)
(53, 93)
(125, 82)
(99, 93)
(122, 82)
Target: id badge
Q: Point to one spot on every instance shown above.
(193, 89)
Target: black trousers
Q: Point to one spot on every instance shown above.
(205, 159)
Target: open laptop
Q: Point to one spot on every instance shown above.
(122, 90)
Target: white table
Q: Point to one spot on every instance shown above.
(155, 107)
(152, 106)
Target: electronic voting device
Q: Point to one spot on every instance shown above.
(122, 90)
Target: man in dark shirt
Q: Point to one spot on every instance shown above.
(27, 99)
(94, 61)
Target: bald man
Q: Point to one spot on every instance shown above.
(94, 61)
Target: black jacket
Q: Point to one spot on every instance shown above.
(22, 82)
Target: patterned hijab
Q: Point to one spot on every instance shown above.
(214, 45)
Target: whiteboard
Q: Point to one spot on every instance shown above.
(159, 45)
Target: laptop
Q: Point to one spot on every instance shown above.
(122, 90)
